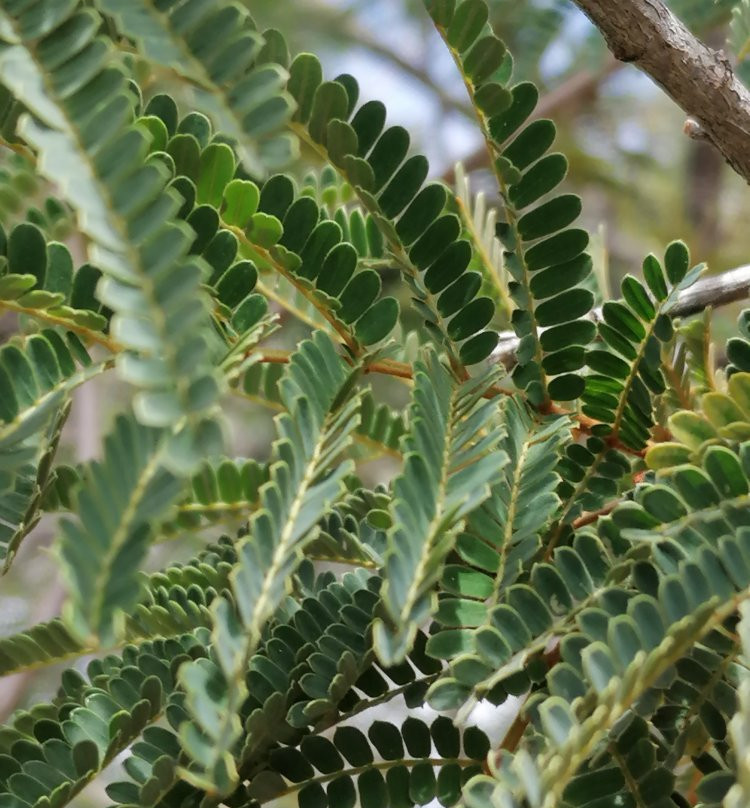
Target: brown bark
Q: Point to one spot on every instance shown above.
(698, 78)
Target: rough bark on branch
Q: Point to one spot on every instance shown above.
(714, 291)
(698, 78)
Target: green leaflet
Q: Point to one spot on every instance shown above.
(625, 380)
(329, 628)
(406, 775)
(592, 474)
(22, 195)
(172, 601)
(422, 237)
(282, 662)
(627, 769)
(26, 486)
(123, 208)
(380, 426)
(342, 659)
(35, 380)
(739, 728)
(700, 573)
(242, 93)
(721, 417)
(627, 375)
(695, 342)
(449, 459)
(221, 492)
(499, 540)
(738, 348)
(92, 723)
(37, 376)
(479, 221)
(279, 230)
(41, 282)
(354, 529)
(100, 554)
(703, 672)
(495, 652)
(320, 415)
(688, 504)
(539, 242)
(616, 662)
(524, 500)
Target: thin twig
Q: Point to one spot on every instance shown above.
(591, 516)
(403, 371)
(716, 290)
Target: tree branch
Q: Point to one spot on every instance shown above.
(716, 290)
(698, 78)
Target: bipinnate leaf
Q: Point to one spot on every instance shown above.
(118, 505)
(305, 476)
(450, 456)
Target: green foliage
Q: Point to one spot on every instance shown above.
(238, 81)
(313, 431)
(620, 391)
(448, 463)
(121, 200)
(118, 499)
(545, 257)
(421, 235)
(570, 540)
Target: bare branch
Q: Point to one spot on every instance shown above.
(698, 78)
(714, 291)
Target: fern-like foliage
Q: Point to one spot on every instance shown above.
(500, 539)
(118, 499)
(479, 220)
(94, 721)
(236, 80)
(312, 432)
(346, 764)
(281, 230)
(740, 790)
(381, 518)
(26, 484)
(420, 234)
(546, 257)
(123, 204)
(448, 463)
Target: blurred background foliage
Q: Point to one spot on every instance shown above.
(643, 183)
